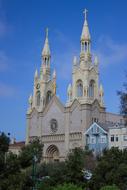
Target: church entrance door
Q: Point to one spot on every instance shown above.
(52, 154)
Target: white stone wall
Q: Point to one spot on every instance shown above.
(54, 112)
(119, 132)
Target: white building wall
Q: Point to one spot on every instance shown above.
(121, 133)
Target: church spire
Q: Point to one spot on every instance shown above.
(46, 48)
(46, 57)
(85, 36)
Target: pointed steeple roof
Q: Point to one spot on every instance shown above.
(85, 36)
(46, 48)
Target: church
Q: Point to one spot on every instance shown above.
(62, 127)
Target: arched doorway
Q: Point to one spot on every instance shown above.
(52, 154)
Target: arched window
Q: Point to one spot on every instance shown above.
(53, 125)
(48, 96)
(91, 88)
(85, 46)
(38, 97)
(79, 88)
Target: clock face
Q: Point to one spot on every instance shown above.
(53, 125)
(38, 86)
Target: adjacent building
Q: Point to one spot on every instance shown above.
(15, 147)
(118, 136)
(97, 138)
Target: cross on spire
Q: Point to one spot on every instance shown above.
(85, 13)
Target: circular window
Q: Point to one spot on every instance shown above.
(53, 125)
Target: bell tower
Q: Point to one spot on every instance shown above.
(44, 83)
(85, 73)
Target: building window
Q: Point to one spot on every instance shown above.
(97, 129)
(94, 119)
(125, 137)
(38, 96)
(87, 140)
(53, 125)
(79, 88)
(112, 138)
(103, 139)
(117, 139)
(93, 140)
(91, 88)
(48, 96)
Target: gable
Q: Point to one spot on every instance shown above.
(95, 105)
(53, 111)
(93, 71)
(54, 102)
(93, 129)
(75, 105)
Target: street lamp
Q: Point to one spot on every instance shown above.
(34, 161)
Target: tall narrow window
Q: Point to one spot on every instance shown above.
(112, 138)
(48, 97)
(85, 46)
(91, 88)
(79, 88)
(38, 96)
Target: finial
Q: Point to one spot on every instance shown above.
(75, 60)
(96, 61)
(85, 13)
(54, 74)
(69, 88)
(54, 87)
(36, 74)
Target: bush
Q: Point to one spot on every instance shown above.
(69, 186)
(113, 187)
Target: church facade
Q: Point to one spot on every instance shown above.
(62, 127)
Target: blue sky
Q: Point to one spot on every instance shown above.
(22, 34)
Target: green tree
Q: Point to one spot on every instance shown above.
(68, 186)
(35, 148)
(4, 145)
(14, 170)
(111, 169)
(4, 142)
(123, 101)
(75, 163)
(112, 187)
(70, 171)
